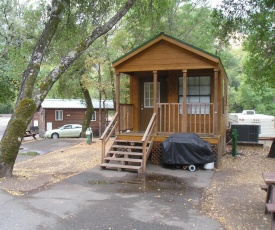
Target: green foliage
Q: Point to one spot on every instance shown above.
(20, 26)
(147, 18)
(242, 93)
(253, 22)
(79, 19)
(68, 84)
(28, 154)
(8, 84)
(182, 19)
(189, 27)
(6, 108)
(260, 100)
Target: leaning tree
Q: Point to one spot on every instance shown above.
(30, 97)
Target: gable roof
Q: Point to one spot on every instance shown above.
(168, 38)
(75, 104)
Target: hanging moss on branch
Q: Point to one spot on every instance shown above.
(10, 144)
(26, 108)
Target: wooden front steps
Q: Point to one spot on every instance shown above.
(124, 155)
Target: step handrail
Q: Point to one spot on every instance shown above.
(147, 136)
(107, 134)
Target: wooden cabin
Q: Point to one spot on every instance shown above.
(174, 87)
(54, 113)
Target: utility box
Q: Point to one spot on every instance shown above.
(247, 133)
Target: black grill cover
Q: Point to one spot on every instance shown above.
(186, 149)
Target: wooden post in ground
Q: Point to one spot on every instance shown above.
(271, 153)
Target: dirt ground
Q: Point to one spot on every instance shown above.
(43, 170)
(234, 197)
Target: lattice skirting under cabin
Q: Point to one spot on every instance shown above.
(156, 154)
(228, 136)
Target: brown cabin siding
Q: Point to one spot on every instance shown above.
(165, 56)
(70, 116)
(224, 118)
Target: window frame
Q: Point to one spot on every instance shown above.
(58, 115)
(93, 118)
(150, 99)
(201, 97)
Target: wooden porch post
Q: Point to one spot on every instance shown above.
(118, 101)
(184, 100)
(155, 98)
(216, 120)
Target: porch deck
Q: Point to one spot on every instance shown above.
(131, 150)
(161, 136)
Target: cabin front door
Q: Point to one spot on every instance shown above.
(147, 99)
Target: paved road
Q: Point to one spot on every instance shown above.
(162, 199)
(40, 146)
(4, 119)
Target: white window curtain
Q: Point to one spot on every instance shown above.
(198, 92)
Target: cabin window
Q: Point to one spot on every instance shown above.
(149, 94)
(198, 92)
(94, 116)
(59, 115)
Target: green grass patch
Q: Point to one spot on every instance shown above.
(28, 154)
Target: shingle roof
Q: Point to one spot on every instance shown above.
(75, 104)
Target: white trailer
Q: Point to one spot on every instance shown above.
(247, 117)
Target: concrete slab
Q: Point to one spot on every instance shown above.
(106, 199)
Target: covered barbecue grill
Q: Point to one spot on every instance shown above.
(186, 149)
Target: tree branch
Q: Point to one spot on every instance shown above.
(30, 74)
(67, 60)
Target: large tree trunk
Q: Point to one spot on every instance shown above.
(27, 101)
(13, 135)
(90, 109)
(25, 106)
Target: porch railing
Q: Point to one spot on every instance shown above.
(109, 131)
(199, 118)
(148, 140)
(126, 117)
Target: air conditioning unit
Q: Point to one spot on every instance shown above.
(247, 133)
